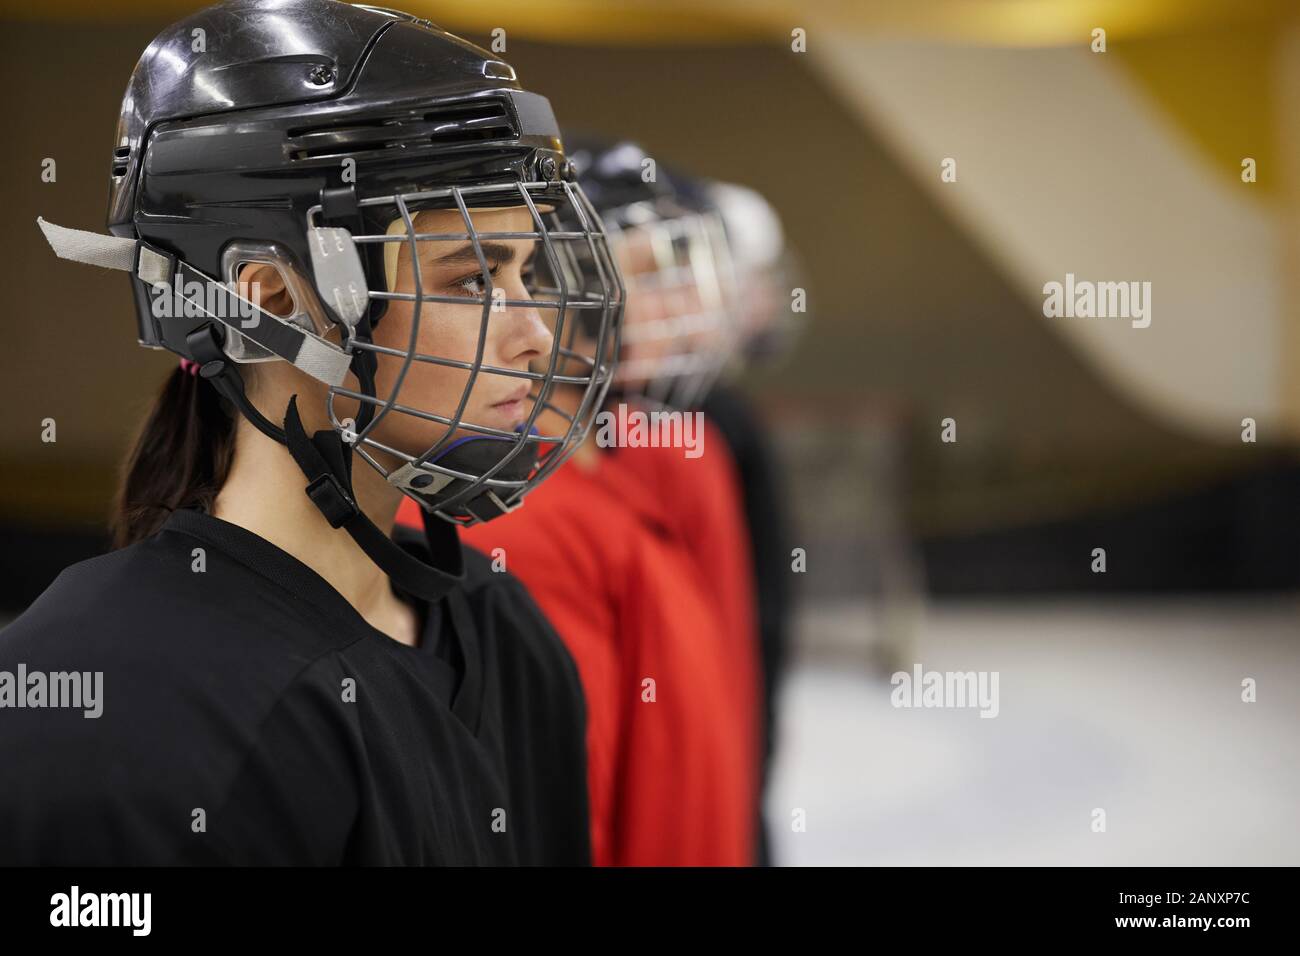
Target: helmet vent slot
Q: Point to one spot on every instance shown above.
(121, 155)
(457, 124)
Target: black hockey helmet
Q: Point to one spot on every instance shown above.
(311, 136)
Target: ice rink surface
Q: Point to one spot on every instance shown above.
(1130, 705)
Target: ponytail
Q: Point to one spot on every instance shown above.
(181, 458)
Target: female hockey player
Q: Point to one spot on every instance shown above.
(335, 216)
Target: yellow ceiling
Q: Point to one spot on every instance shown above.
(1220, 89)
(1011, 22)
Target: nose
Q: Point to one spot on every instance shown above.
(524, 334)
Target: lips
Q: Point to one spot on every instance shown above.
(518, 395)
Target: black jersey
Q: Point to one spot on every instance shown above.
(249, 715)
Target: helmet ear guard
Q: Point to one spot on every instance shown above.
(335, 297)
(307, 310)
(183, 299)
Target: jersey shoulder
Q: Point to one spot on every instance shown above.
(178, 662)
(524, 639)
(168, 592)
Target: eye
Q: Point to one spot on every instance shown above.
(474, 284)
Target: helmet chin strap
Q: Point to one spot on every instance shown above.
(326, 460)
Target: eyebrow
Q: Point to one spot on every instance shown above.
(498, 252)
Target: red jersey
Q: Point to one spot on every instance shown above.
(671, 687)
(702, 499)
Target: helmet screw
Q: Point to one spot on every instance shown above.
(550, 169)
(422, 481)
(320, 76)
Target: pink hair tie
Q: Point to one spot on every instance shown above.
(187, 365)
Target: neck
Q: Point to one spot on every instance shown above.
(264, 494)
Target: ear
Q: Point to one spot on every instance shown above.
(262, 284)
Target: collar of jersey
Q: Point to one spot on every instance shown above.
(441, 544)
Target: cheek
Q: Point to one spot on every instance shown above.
(446, 331)
(425, 385)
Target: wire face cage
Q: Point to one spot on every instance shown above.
(497, 345)
(681, 323)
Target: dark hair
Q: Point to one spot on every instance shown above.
(181, 458)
